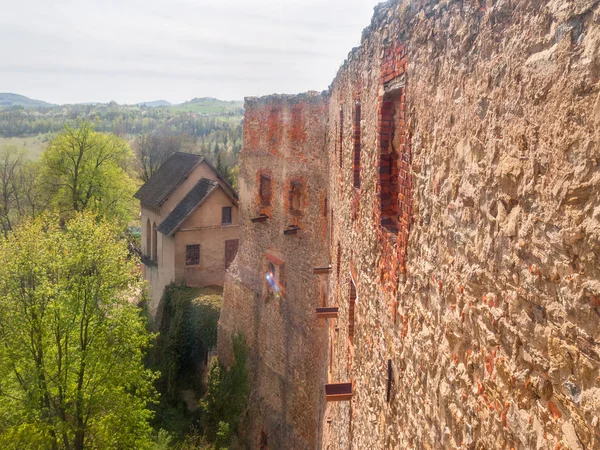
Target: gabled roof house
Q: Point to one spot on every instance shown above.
(190, 225)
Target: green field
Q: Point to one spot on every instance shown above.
(34, 145)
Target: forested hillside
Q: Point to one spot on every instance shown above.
(203, 125)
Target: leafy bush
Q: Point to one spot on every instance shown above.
(188, 331)
(226, 396)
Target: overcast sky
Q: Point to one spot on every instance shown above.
(70, 51)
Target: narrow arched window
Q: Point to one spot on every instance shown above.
(356, 138)
(154, 243)
(148, 239)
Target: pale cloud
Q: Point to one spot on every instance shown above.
(133, 50)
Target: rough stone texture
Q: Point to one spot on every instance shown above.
(494, 332)
(284, 139)
(485, 291)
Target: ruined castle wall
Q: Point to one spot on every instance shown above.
(284, 141)
(487, 299)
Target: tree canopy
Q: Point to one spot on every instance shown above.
(71, 342)
(87, 170)
(21, 192)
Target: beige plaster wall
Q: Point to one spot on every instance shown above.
(201, 171)
(211, 270)
(157, 277)
(204, 227)
(209, 214)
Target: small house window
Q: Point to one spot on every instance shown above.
(154, 242)
(148, 239)
(265, 190)
(226, 215)
(296, 198)
(192, 255)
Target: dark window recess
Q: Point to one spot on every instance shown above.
(226, 215)
(357, 142)
(389, 381)
(265, 190)
(351, 305)
(392, 150)
(231, 249)
(339, 260)
(154, 242)
(264, 441)
(192, 255)
(325, 207)
(148, 239)
(296, 198)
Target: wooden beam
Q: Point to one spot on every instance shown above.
(338, 392)
(261, 218)
(291, 230)
(329, 312)
(322, 270)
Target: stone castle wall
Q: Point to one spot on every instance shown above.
(462, 145)
(284, 140)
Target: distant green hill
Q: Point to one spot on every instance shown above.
(8, 99)
(210, 106)
(154, 104)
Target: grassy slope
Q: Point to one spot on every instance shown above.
(34, 145)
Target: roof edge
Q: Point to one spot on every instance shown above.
(215, 186)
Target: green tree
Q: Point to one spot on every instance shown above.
(21, 192)
(87, 170)
(71, 341)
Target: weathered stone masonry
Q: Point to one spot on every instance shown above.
(284, 181)
(463, 233)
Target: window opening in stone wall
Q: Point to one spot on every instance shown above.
(325, 207)
(275, 277)
(154, 242)
(264, 441)
(271, 270)
(391, 147)
(341, 136)
(231, 249)
(148, 239)
(331, 356)
(351, 306)
(357, 138)
(388, 395)
(339, 260)
(296, 198)
(192, 255)
(226, 215)
(265, 190)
